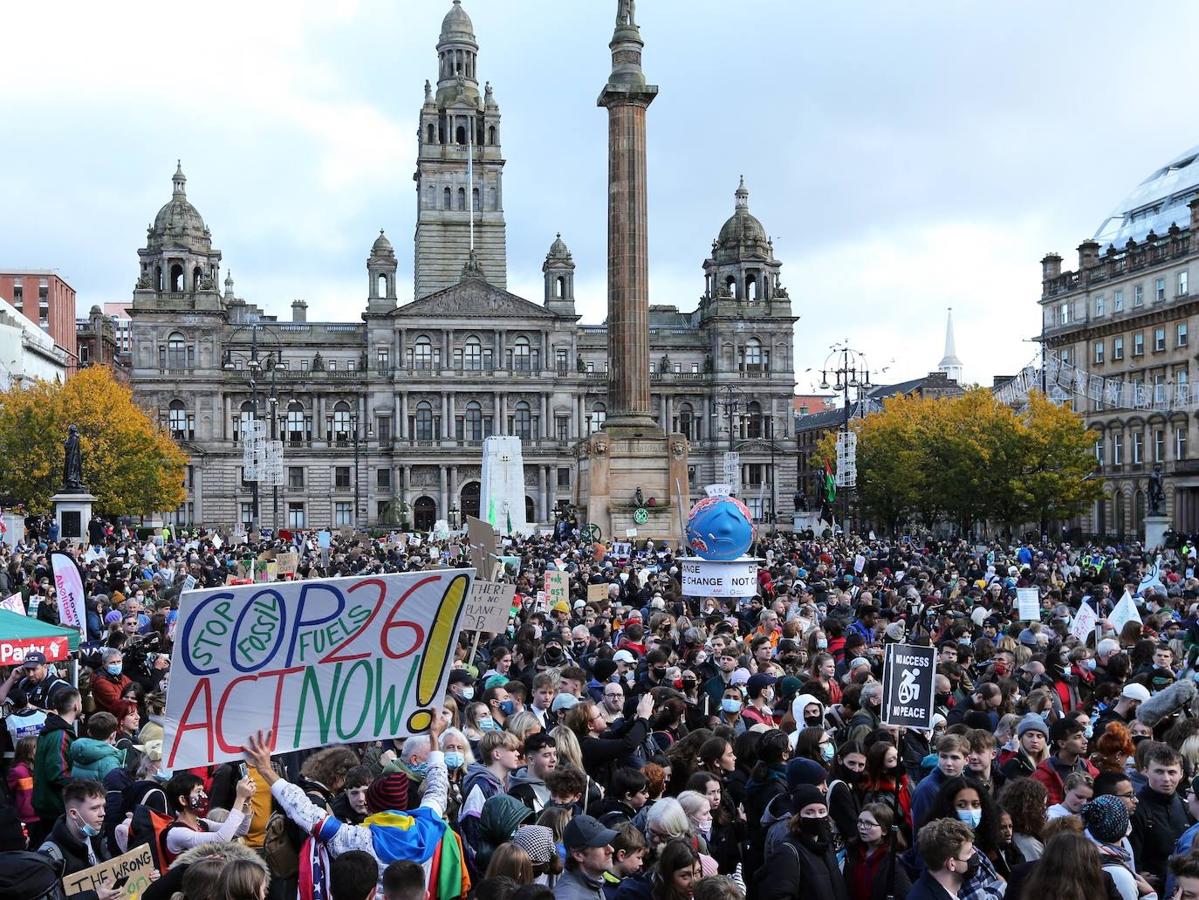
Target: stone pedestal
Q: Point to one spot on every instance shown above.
(1155, 531)
(611, 469)
(72, 512)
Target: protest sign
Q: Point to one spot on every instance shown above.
(622, 549)
(597, 593)
(189, 583)
(1084, 622)
(1028, 602)
(131, 870)
(217, 543)
(630, 532)
(320, 662)
(288, 563)
(908, 674)
(483, 543)
(324, 539)
(511, 564)
(859, 564)
(13, 604)
(68, 582)
(557, 588)
(713, 578)
(489, 607)
(1125, 611)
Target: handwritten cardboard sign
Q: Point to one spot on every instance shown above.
(133, 869)
(597, 593)
(489, 607)
(320, 662)
(557, 588)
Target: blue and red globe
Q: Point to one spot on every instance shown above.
(720, 528)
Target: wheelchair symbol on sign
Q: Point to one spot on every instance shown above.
(909, 690)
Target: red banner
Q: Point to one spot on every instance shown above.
(13, 650)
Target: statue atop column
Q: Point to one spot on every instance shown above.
(625, 13)
(1157, 493)
(72, 466)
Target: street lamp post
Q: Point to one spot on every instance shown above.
(852, 372)
(257, 365)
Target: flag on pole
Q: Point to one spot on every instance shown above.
(830, 483)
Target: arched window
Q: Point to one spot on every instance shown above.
(599, 413)
(462, 199)
(751, 286)
(686, 421)
(474, 421)
(753, 419)
(1138, 512)
(560, 286)
(424, 421)
(341, 421)
(731, 284)
(177, 278)
(447, 199)
(296, 431)
(460, 134)
(472, 355)
(158, 278)
(753, 353)
(176, 351)
(522, 421)
(475, 200)
(245, 421)
(430, 134)
(522, 355)
(491, 135)
(177, 419)
(1119, 504)
(196, 276)
(422, 354)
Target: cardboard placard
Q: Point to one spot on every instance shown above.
(557, 588)
(1028, 602)
(597, 593)
(489, 607)
(134, 868)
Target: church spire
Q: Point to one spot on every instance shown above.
(179, 180)
(950, 364)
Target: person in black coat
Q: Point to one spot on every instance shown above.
(601, 753)
(805, 862)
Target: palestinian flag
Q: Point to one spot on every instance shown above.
(830, 483)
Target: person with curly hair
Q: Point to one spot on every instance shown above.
(1113, 748)
(1024, 800)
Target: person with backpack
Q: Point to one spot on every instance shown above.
(804, 862)
(75, 841)
(188, 802)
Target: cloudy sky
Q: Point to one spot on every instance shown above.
(904, 157)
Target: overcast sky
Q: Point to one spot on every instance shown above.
(904, 157)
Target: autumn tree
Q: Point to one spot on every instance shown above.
(129, 463)
(969, 460)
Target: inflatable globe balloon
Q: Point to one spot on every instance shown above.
(720, 528)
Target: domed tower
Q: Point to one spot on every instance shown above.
(742, 266)
(178, 264)
(459, 168)
(381, 270)
(559, 269)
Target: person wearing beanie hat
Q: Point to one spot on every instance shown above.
(805, 863)
(388, 792)
(1032, 737)
(1106, 822)
(803, 772)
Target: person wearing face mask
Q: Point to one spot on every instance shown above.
(807, 711)
(188, 802)
(108, 682)
(761, 698)
(804, 863)
(461, 687)
(458, 758)
(726, 664)
(76, 840)
(946, 848)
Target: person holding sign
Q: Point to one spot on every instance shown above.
(188, 801)
(420, 835)
(75, 842)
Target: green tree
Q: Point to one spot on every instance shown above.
(129, 463)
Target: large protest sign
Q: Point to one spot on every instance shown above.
(908, 675)
(131, 870)
(484, 544)
(1125, 611)
(597, 593)
(328, 661)
(489, 607)
(557, 588)
(68, 582)
(13, 604)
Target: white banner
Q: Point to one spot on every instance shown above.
(1125, 611)
(1028, 601)
(712, 578)
(68, 582)
(1084, 622)
(321, 662)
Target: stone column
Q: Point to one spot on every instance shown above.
(442, 506)
(626, 96)
(403, 429)
(542, 500)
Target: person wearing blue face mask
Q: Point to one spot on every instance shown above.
(413, 760)
(76, 840)
(108, 682)
(499, 705)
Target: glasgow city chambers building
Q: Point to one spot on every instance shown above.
(381, 420)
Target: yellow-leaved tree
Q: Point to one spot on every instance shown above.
(129, 463)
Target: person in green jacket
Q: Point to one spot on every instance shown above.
(51, 760)
(96, 755)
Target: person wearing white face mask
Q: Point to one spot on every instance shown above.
(461, 687)
(761, 695)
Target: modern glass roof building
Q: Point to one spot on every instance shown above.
(1155, 204)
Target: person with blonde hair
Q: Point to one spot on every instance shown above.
(243, 879)
(511, 861)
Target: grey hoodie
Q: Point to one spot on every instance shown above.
(528, 789)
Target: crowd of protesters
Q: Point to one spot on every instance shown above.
(651, 745)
